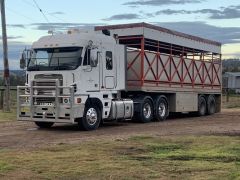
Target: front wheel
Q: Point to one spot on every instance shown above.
(91, 118)
(44, 124)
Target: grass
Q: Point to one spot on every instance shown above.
(12, 115)
(142, 157)
(234, 102)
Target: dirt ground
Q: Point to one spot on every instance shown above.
(20, 135)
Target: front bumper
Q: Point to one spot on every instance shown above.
(49, 113)
(30, 109)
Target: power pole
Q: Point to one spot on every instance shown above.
(6, 101)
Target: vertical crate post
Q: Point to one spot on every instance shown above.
(142, 59)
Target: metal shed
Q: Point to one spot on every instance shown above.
(231, 80)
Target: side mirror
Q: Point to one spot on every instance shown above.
(23, 60)
(94, 58)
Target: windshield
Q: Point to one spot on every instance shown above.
(68, 58)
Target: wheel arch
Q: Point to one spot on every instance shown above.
(95, 101)
(204, 96)
(161, 96)
(138, 106)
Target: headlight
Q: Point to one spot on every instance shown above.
(35, 92)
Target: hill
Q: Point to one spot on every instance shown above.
(17, 77)
(231, 65)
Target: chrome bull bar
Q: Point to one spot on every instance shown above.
(46, 103)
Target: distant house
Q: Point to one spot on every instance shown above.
(231, 80)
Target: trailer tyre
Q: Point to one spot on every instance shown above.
(211, 105)
(202, 106)
(146, 110)
(161, 109)
(44, 124)
(91, 119)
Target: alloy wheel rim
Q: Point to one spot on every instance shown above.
(91, 116)
(147, 110)
(162, 109)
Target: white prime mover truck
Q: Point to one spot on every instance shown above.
(120, 72)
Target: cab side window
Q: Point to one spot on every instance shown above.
(86, 60)
(109, 60)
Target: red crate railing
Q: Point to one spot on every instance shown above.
(182, 65)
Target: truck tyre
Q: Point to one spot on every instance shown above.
(202, 106)
(161, 109)
(44, 124)
(91, 118)
(146, 111)
(211, 105)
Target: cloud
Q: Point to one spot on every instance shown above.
(171, 12)
(235, 55)
(160, 2)
(57, 13)
(231, 12)
(123, 17)
(16, 26)
(12, 37)
(64, 26)
(224, 35)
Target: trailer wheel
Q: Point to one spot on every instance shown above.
(202, 106)
(161, 109)
(44, 124)
(91, 118)
(211, 105)
(146, 110)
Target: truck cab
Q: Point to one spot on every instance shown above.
(72, 78)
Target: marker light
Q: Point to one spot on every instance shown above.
(79, 100)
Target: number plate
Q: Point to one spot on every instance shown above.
(25, 109)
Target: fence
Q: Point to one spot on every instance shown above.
(231, 98)
(13, 91)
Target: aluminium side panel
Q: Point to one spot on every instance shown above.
(133, 68)
(167, 37)
(121, 70)
(183, 102)
(128, 31)
(181, 41)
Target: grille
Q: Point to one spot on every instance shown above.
(47, 91)
(45, 83)
(47, 77)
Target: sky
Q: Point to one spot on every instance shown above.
(28, 20)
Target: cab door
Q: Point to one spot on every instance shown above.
(109, 68)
